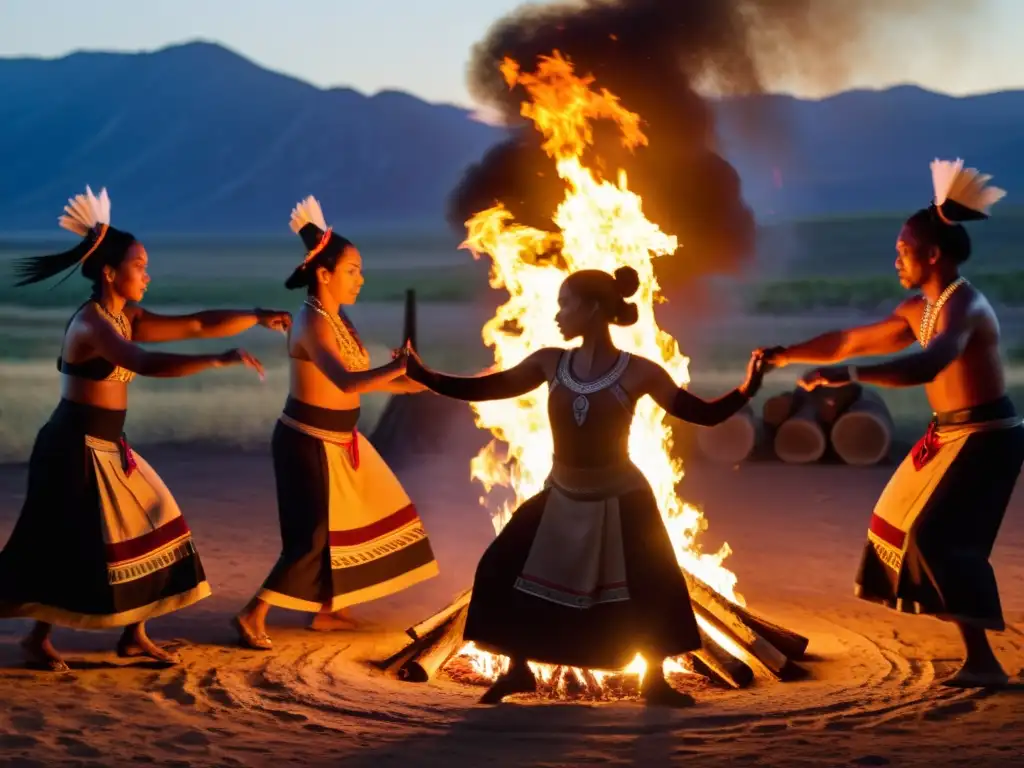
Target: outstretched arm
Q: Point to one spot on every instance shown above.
(515, 381)
(910, 370)
(113, 347)
(403, 385)
(322, 349)
(212, 324)
(882, 338)
(688, 407)
(922, 367)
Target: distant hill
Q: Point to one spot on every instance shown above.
(195, 138)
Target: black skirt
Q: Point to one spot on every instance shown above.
(99, 542)
(656, 621)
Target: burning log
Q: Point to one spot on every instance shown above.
(800, 439)
(434, 642)
(717, 664)
(765, 649)
(790, 644)
(733, 440)
(862, 435)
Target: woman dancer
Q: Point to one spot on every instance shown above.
(349, 532)
(100, 542)
(584, 573)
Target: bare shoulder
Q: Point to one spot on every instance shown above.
(86, 318)
(305, 327)
(133, 312)
(910, 308)
(979, 308)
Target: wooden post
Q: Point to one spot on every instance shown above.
(409, 326)
(732, 441)
(423, 423)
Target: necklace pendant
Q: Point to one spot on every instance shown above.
(580, 406)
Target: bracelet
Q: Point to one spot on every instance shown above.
(851, 371)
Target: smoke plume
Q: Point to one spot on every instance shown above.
(659, 57)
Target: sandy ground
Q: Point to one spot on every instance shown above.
(872, 697)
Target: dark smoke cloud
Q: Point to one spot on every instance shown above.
(654, 54)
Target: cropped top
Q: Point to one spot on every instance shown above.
(354, 355)
(96, 368)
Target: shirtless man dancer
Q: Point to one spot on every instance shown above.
(934, 526)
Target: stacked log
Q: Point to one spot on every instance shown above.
(852, 419)
(758, 647)
(777, 409)
(862, 434)
(732, 441)
(801, 438)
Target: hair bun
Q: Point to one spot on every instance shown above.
(627, 314)
(627, 281)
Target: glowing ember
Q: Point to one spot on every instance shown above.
(600, 225)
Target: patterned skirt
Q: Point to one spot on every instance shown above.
(100, 541)
(933, 528)
(584, 575)
(349, 532)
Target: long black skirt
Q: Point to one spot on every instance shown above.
(656, 621)
(100, 542)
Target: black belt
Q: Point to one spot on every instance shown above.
(991, 411)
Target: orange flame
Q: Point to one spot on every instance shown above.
(599, 225)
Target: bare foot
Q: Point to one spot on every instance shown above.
(659, 693)
(248, 637)
(508, 684)
(333, 621)
(138, 645)
(41, 653)
(978, 677)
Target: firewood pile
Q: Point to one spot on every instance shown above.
(851, 424)
(739, 646)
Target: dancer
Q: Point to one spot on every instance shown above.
(934, 526)
(100, 542)
(349, 532)
(584, 573)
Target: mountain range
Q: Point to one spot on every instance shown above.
(196, 138)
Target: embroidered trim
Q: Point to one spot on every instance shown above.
(590, 387)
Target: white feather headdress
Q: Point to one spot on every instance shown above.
(308, 211)
(967, 187)
(84, 212)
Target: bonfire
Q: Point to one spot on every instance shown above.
(599, 224)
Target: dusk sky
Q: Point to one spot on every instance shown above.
(422, 46)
